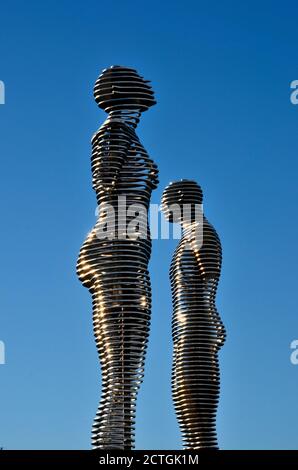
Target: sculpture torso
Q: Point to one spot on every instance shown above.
(119, 157)
(194, 278)
(121, 167)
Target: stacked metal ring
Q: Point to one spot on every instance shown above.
(197, 329)
(115, 268)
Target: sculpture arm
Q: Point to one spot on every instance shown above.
(211, 243)
(109, 151)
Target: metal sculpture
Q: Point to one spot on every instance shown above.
(197, 330)
(114, 269)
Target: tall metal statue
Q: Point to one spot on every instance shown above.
(197, 330)
(114, 267)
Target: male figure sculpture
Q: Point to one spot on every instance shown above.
(114, 268)
(197, 330)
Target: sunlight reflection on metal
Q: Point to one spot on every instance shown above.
(197, 329)
(115, 271)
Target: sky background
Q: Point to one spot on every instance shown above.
(221, 72)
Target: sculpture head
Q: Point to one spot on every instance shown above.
(181, 201)
(122, 88)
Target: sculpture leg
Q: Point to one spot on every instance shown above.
(195, 388)
(121, 330)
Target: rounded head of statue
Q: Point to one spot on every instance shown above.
(122, 88)
(182, 201)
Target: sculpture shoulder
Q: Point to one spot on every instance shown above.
(113, 129)
(182, 251)
(210, 235)
(198, 253)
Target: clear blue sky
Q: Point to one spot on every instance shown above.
(221, 71)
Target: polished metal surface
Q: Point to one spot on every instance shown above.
(115, 269)
(197, 329)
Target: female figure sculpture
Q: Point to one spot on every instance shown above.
(197, 329)
(115, 268)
